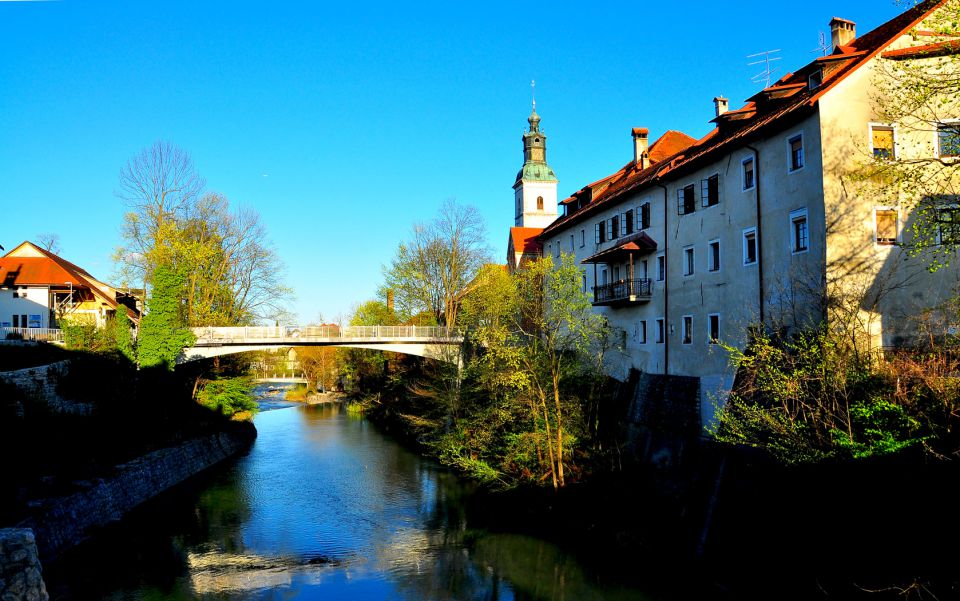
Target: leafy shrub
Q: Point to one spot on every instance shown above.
(228, 396)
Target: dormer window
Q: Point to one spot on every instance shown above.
(815, 80)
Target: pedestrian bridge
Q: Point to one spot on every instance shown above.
(432, 342)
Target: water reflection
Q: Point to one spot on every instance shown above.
(323, 505)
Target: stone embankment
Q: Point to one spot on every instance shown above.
(40, 383)
(62, 522)
(20, 577)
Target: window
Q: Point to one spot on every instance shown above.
(616, 273)
(750, 246)
(713, 255)
(584, 276)
(643, 216)
(688, 261)
(626, 222)
(686, 200)
(815, 80)
(661, 268)
(660, 331)
(572, 243)
(539, 203)
(603, 277)
(948, 139)
(519, 207)
(556, 250)
(583, 237)
(795, 147)
(713, 328)
(550, 249)
(748, 177)
(686, 330)
(643, 269)
(613, 228)
(642, 332)
(886, 221)
(710, 190)
(881, 140)
(948, 221)
(600, 233)
(799, 238)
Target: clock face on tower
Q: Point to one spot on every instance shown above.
(536, 154)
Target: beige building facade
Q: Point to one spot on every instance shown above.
(769, 218)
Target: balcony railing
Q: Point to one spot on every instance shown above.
(41, 334)
(623, 291)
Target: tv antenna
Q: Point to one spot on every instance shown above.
(822, 47)
(768, 70)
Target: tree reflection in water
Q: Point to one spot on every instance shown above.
(323, 506)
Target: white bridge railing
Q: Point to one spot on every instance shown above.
(294, 334)
(42, 334)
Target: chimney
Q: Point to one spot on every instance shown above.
(842, 32)
(641, 141)
(721, 105)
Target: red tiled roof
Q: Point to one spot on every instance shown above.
(35, 271)
(525, 239)
(669, 144)
(786, 102)
(52, 270)
(637, 242)
(926, 51)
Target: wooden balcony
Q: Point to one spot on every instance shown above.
(623, 292)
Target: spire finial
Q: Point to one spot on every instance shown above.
(533, 93)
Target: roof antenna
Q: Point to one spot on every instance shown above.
(768, 71)
(822, 47)
(533, 93)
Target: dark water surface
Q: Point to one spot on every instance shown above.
(323, 507)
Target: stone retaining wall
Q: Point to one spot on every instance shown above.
(40, 383)
(20, 577)
(63, 522)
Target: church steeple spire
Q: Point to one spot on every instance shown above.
(536, 185)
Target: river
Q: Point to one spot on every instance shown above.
(324, 506)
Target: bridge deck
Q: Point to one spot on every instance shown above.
(324, 335)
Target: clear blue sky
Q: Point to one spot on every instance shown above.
(342, 125)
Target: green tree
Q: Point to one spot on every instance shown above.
(533, 340)
(231, 274)
(163, 332)
(431, 273)
(562, 333)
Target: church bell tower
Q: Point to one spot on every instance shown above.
(535, 190)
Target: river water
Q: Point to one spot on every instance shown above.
(323, 507)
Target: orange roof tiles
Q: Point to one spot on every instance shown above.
(52, 270)
(780, 105)
(525, 239)
(926, 51)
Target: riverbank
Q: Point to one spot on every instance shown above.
(85, 439)
(59, 523)
(730, 523)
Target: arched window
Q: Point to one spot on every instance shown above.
(539, 203)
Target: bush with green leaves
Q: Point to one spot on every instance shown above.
(228, 396)
(810, 398)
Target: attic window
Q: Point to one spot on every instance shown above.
(815, 80)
